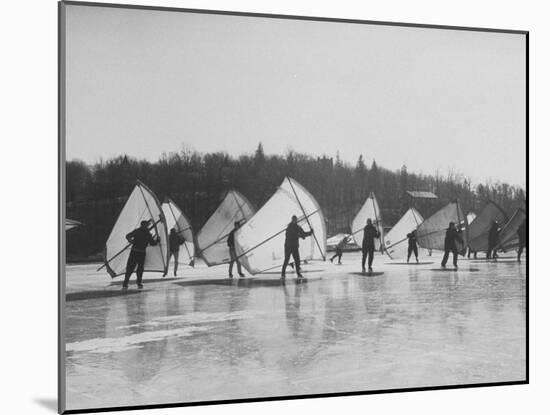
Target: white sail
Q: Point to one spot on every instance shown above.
(479, 228)
(212, 238)
(470, 217)
(176, 219)
(431, 233)
(369, 210)
(260, 242)
(71, 224)
(141, 205)
(396, 240)
(508, 238)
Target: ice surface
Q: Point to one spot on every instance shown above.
(203, 337)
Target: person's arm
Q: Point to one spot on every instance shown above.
(130, 236)
(458, 237)
(301, 233)
(153, 241)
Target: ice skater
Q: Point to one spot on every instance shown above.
(452, 236)
(522, 236)
(139, 239)
(292, 236)
(340, 249)
(369, 234)
(493, 240)
(175, 241)
(232, 252)
(413, 247)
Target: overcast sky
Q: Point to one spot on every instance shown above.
(144, 82)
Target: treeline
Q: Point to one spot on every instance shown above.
(197, 183)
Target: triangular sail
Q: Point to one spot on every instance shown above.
(508, 238)
(176, 219)
(141, 205)
(212, 238)
(260, 242)
(480, 226)
(369, 210)
(431, 233)
(396, 240)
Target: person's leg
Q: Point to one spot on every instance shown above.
(285, 262)
(296, 256)
(409, 252)
(236, 259)
(340, 252)
(231, 262)
(130, 266)
(170, 257)
(445, 257)
(415, 249)
(363, 258)
(455, 258)
(176, 260)
(140, 257)
(371, 257)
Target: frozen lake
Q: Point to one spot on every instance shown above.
(204, 337)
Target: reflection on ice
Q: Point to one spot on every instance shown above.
(207, 338)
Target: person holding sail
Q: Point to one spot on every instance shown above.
(493, 240)
(139, 239)
(340, 249)
(413, 247)
(452, 236)
(293, 234)
(232, 253)
(175, 240)
(370, 233)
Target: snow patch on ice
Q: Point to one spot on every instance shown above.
(134, 341)
(194, 318)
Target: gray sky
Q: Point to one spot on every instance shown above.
(144, 82)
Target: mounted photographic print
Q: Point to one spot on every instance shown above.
(259, 207)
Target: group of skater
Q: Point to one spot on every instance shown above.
(453, 237)
(141, 237)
